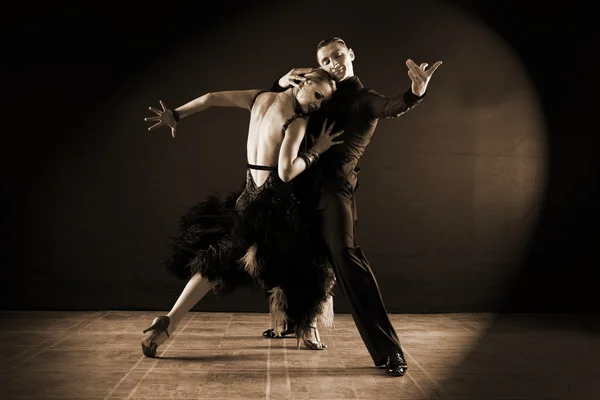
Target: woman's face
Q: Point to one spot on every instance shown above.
(312, 94)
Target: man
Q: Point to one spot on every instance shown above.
(356, 111)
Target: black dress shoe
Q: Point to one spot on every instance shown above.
(396, 364)
(270, 333)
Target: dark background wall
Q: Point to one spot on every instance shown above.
(482, 198)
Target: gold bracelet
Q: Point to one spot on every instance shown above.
(308, 159)
(314, 153)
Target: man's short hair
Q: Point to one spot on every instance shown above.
(334, 39)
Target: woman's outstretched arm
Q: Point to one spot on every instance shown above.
(231, 98)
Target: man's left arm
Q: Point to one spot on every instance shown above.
(379, 106)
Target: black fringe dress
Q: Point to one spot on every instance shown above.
(259, 235)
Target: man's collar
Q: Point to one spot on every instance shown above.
(350, 84)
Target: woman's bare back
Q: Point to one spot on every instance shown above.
(265, 133)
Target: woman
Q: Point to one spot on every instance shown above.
(263, 234)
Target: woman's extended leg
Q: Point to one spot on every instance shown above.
(163, 326)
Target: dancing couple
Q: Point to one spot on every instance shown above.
(291, 228)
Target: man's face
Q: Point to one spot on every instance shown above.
(336, 59)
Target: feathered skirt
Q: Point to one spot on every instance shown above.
(259, 236)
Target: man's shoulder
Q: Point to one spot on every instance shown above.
(355, 93)
(367, 91)
(362, 95)
(361, 90)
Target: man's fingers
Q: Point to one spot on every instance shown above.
(157, 118)
(411, 64)
(163, 105)
(293, 78)
(416, 78)
(155, 110)
(415, 68)
(337, 134)
(301, 71)
(173, 132)
(338, 142)
(423, 66)
(435, 66)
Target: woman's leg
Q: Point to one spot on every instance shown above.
(193, 292)
(311, 338)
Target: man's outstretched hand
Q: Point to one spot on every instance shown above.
(420, 76)
(296, 74)
(164, 117)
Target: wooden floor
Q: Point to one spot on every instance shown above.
(97, 355)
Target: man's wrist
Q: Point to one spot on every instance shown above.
(410, 97)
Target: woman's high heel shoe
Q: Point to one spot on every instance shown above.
(159, 325)
(312, 344)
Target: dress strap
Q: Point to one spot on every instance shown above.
(297, 114)
(290, 120)
(262, 167)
